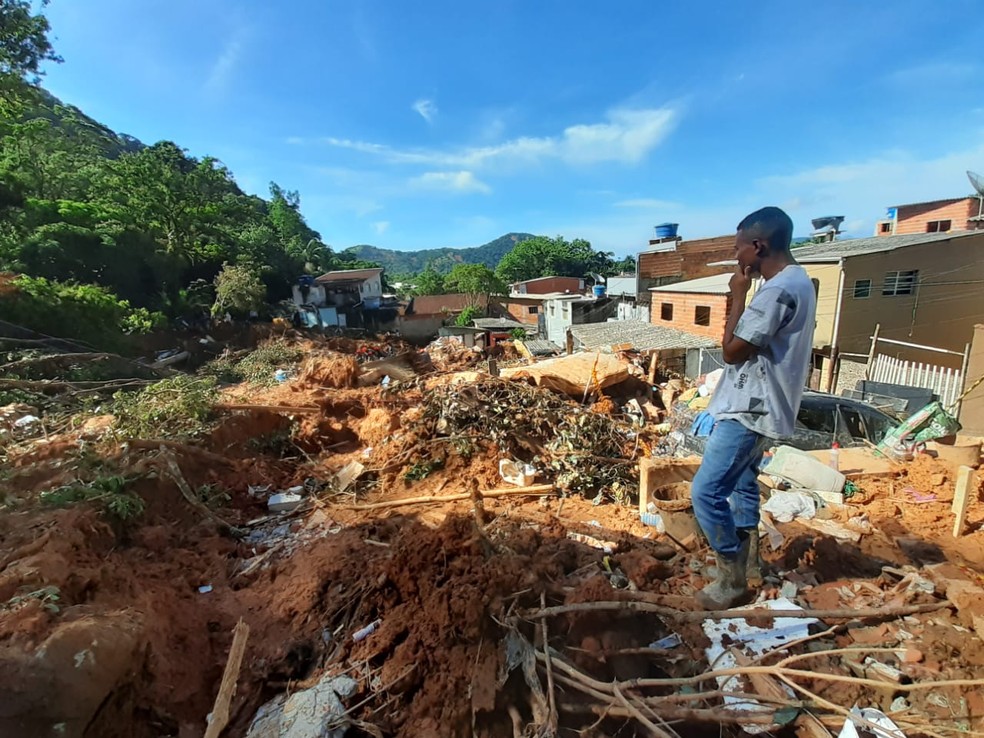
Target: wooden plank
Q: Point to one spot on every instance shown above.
(961, 498)
(227, 689)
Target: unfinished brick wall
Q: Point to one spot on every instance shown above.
(916, 218)
(519, 310)
(685, 305)
(689, 260)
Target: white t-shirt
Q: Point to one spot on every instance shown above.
(764, 392)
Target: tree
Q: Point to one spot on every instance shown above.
(541, 256)
(429, 282)
(24, 47)
(477, 281)
(625, 266)
(238, 289)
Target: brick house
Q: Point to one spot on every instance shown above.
(527, 310)
(937, 216)
(548, 285)
(699, 307)
(675, 260)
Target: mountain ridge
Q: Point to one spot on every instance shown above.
(441, 259)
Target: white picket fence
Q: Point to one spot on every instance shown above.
(943, 381)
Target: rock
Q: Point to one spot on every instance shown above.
(58, 688)
(912, 656)
(305, 714)
(643, 569)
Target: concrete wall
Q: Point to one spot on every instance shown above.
(419, 328)
(684, 306)
(915, 218)
(617, 286)
(315, 295)
(972, 408)
(947, 304)
(372, 287)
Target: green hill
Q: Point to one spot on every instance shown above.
(443, 260)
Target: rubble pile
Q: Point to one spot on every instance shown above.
(360, 539)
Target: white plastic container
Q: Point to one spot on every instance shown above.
(516, 472)
(804, 471)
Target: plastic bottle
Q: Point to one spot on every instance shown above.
(835, 456)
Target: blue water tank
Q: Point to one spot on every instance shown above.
(667, 230)
(599, 290)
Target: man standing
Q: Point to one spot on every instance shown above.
(767, 348)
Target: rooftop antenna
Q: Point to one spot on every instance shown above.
(977, 182)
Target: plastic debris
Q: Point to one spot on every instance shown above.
(205, 589)
(670, 641)
(885, 727)
(516, 472)
(606, 546)
(362, 633)
(284, 502)
(309, 713)
(785, 506)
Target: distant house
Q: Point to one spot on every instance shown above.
(698, 306)
(424, 316)
(342, 297)
(547, 285)
(525, 309)
(563, 311)
(936, 216)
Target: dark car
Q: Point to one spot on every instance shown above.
(822, 419)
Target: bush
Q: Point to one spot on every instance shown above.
(178, 407)
(257, 366)
(83, 312)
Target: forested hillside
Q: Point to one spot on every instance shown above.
(442, 260)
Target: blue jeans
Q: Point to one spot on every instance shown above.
(725, 491)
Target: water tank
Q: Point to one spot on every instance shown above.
(667, 230)
(598, 290)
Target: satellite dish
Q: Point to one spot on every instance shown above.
(977, 182)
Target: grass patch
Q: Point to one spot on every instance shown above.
(178, 407)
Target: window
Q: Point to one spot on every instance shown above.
(702, 315)
(532, 310)
(862, 289)
(938, 226)
(900, 283)
(666, 311)
(886, 227)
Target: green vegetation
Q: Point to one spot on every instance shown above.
(177, 407)
(257, 366)
(546, 257)
(441, 260)
(132, 231)
(118, 503)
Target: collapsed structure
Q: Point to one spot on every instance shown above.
(349, 537)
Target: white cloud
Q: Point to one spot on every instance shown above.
(627, 137)
(460, 182)
(426, 108)
(380, 227)
(220, 74)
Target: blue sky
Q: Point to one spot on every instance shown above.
(449, 123)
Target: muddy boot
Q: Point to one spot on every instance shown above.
(729, 587)
(753, 571)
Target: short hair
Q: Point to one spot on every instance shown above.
(770, 224)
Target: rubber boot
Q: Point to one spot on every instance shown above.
(753, 572)
(729, 587)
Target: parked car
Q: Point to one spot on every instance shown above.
(822, 419)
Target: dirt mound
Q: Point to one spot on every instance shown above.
(378, 424)
(449, 355)
(336, 371)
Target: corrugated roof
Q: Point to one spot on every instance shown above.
(498, 323)
(541, 346)
(642, 336)
(437, 304)
(347, 275)
(825, 252)
(717, 284)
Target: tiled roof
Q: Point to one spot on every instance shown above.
(438, 304)
(347, 275)
(859, 246)
(642, 336)
(717, 284)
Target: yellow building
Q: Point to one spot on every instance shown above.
(923, 288)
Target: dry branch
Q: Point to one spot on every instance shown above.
(227, 689)
(537, 489)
